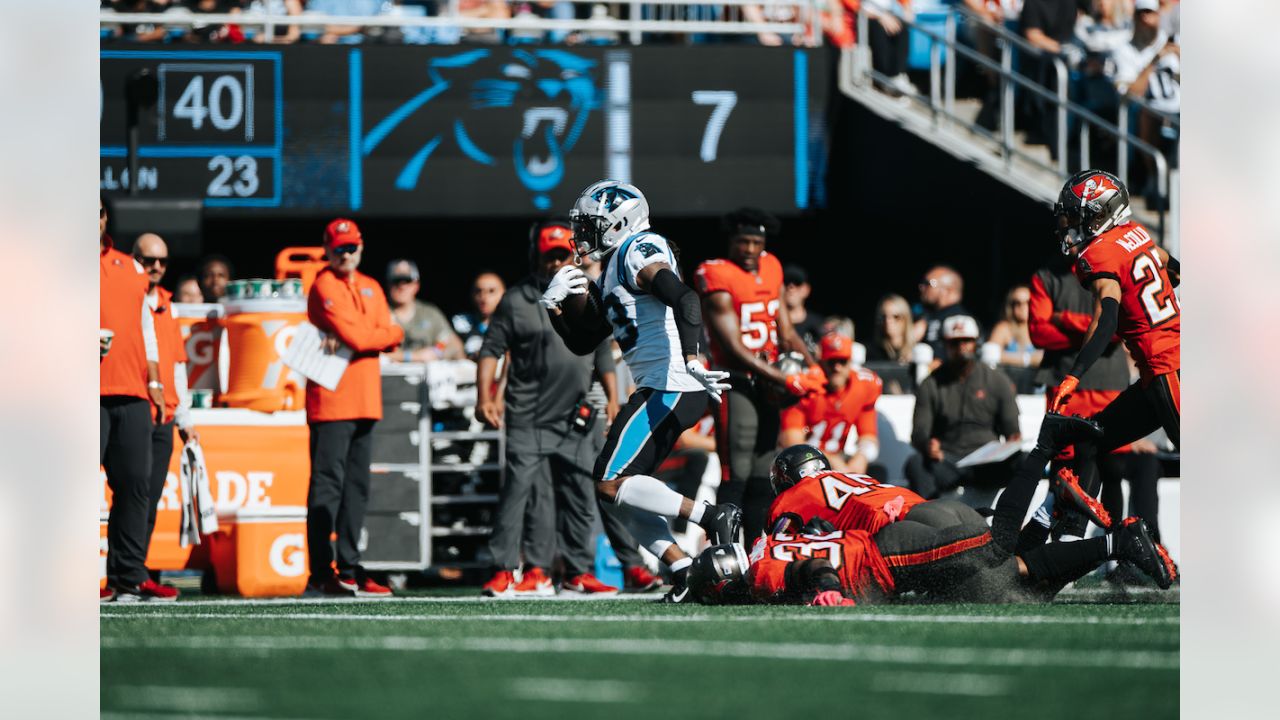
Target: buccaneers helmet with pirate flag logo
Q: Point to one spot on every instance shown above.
(1091, 203)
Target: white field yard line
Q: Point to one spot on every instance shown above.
(176, 698)
(575, 691)
(926, 683)
(168, 714)
(955, 656)
(232, 602)
(1171, 621)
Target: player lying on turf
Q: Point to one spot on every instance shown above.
(657, 321)
(806, 486)
(943, 551)
(1132, 281)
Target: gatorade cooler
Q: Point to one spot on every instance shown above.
(259, 330)
(201, 325)
(261, 552)
(303, 263)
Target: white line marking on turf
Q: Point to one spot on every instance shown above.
(561, 690)
(166, 714)
(770, 618)
(232, 602)
(970, 684)
(184, 699)
(960, 656)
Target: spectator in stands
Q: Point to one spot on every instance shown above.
(795, 294)
(893, 343)
(151, 252)
(773, 13)
(131, 400)
(890, 41)
(187, 290)
(549, 482)
(998, 13)
(140, 32)
(334, 34)
(1011, 334)
(962, 406)
(350, 308)
(492, 9)
(213, 32)
(427, 334)
(286, 34)
(1148, 67)
(486, 292)
(941, 293)
(215, 272)
(1049, 26)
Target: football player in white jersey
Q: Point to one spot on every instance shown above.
(657, 322)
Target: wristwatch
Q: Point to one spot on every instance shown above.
(156, 384)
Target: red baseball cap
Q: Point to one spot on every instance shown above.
(342, 232)
(836, 347)
(555, 237)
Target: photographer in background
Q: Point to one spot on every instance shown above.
(549, 423)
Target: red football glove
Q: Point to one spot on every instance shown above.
(811, 380)
(1063, 393)
(831, 598)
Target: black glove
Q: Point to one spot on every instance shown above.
(817, 526)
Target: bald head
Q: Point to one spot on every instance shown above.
(151, 251)
(941, 287)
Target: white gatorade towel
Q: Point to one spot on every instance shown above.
(198, 514)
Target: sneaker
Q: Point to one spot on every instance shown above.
(588, 584)
(1132, 541)
(328, 587)
(1066, 487)
(1058, 431)
(364, 588)
(106, 594)
(723, 523)
(903, 84)
(677, 595)
(502, 584)
(638, 579)
(534, 583)
(152, 591)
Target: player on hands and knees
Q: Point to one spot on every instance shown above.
(1132, 282)
(657, 322)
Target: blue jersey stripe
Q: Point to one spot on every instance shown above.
(639, 429)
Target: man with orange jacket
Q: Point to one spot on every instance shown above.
(131, 398)
(351, 309)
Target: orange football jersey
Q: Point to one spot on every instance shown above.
(827, 418)
(1150, 320)
(848, 501)
(756, 299)
(854, 555)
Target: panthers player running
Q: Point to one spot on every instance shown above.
(1132, 281)
(741, 295)
(657, 322)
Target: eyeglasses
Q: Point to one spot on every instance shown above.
(403, 280)
(149, 261)
(346, 249)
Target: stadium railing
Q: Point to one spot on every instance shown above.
(940, 100)
(804, 20)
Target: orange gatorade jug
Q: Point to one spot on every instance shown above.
(260, 327)
(201, 325)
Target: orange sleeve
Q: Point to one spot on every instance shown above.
(1044, 333)
(708, 279)
(793, 418)
(866, 421)
(336, 311)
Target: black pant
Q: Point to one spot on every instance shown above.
(1143, 473)
(746, 440)
(161, 451)
(124, 449)
(931, 478)
(341, 451)
(888, 52)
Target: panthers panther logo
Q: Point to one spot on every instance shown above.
(541, 98)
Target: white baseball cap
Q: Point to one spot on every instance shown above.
(959, 327)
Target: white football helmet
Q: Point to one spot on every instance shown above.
(605, 214)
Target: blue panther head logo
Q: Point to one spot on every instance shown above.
(541, 98)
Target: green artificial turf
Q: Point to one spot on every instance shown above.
(450, 657)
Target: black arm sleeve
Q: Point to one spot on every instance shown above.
(584, 333)
(688, 310)
(811, 577)
(1174, 269)
(1093, 349)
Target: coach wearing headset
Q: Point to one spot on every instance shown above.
(549, 456)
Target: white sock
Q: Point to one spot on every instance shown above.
(650, 531)
(699, 508)
(681, 564)
(649, 493)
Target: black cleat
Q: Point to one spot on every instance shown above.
(1132, 542)
(723, 523)
(1058, 431)
(677, 595)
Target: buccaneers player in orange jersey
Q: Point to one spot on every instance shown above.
(741, 296)
(841, 418)
(1132, 282)
(807, 487)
